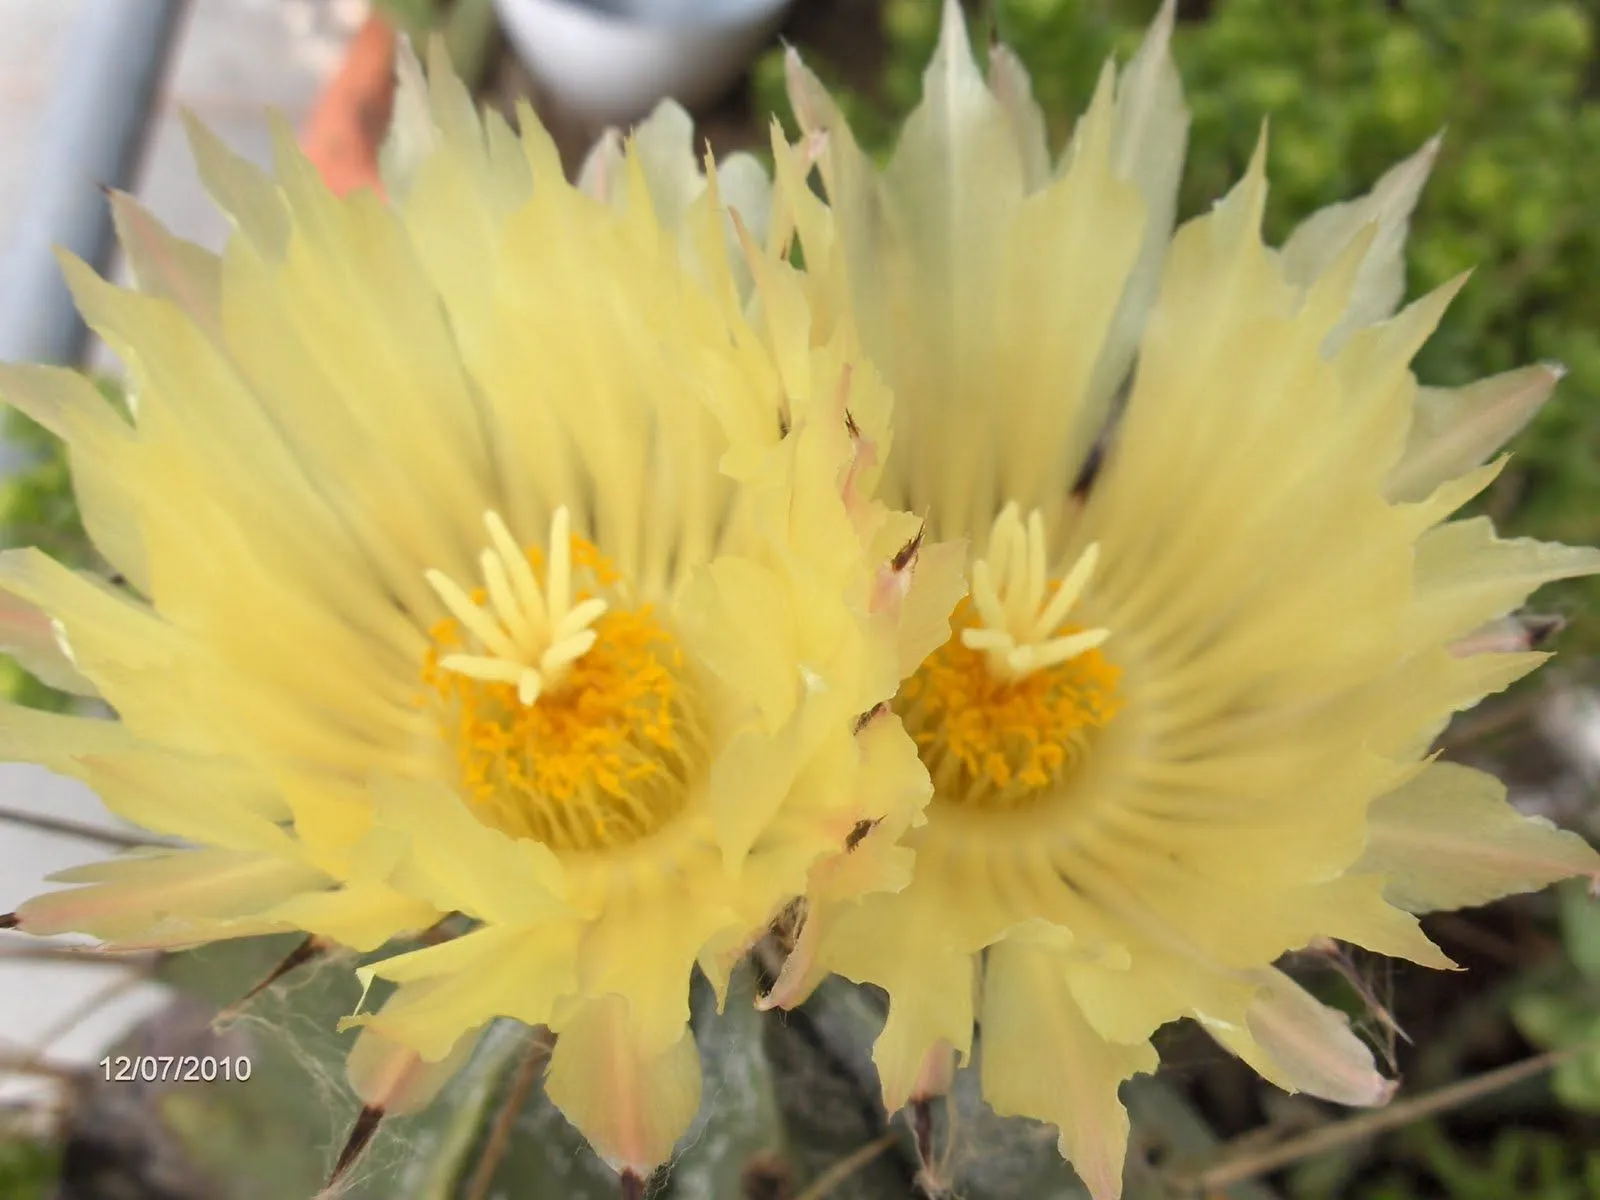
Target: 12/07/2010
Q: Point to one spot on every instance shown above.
(179, 1068)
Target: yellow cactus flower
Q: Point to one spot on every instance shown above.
(1182, 722)
(481, 557)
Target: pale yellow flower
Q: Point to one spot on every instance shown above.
(1182, 722)
(483, 557)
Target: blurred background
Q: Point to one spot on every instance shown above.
(91, 94)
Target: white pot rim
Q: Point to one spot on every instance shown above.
(686, 18)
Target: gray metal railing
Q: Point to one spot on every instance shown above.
(90, 137)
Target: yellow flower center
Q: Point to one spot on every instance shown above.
(1002, 710)
(570, 718)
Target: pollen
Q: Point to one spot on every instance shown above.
(1002, 711)
(571, 719)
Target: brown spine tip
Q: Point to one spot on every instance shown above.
(862, 828)
(361, 1135)
(632, 1186)
(9, 920)
(311, 948)
(440, 931)
(850, 424)
(922, 1126)
(1089, 473)
(786, 925)
(871, 715)
(907, 554)
(1542, 627)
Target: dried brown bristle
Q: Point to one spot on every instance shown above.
(862, 828)
(872, 714)
(361, 1135)
(311, 948)
(906, 553)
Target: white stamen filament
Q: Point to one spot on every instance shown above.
(63, 643)
(1017, 622)
(531, 635)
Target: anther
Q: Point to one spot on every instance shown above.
(531, 634)
(1016, 622)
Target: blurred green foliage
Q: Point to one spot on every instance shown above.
(1350, 87)
(28, 1169)
(1519, 1164)
(467, 27)
(1567, 1013)
(37, 509)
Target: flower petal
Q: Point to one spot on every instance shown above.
(930, 987)
(1009, 81)
(431, 847)
(1456, 429)
(1039, 1058)
(213, 801)
(27, 634)
(173, 899)
(632, 1104)
(1319, 240)
(1466, 576)
(453, 988)
(1149, 137)
(99, 453)
(361, 916)
(1300, 1044)
(394, 1078)
(167, 266)
(1448, 839)
(58, 742)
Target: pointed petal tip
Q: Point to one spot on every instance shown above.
(807, 96)
(1382, 1094)
(439, 56)
(955, 46)
(1159, 35)
(1258, 156)
(192, 124)
(1413, 171)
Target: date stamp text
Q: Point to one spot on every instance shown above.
(176, 1068)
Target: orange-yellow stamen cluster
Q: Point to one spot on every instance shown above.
(1006, 706)
(993, 742)
(602, 755)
